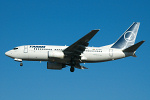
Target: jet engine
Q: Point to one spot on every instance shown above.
(56, 54)
(55, 66)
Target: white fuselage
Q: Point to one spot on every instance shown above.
(42, 52)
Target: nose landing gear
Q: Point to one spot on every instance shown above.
(21, 64)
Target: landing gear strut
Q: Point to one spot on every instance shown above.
(72, 65)
(21, 64)
(72, 69)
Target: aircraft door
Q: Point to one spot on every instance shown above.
(25, 49)
(111, 52)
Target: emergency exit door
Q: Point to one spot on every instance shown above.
(25, 49)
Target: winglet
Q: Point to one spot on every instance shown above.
(133, 48)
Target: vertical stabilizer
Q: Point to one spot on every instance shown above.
(127, 39)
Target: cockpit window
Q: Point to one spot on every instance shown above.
(15, 48)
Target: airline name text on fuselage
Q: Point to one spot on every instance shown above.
(37, 46)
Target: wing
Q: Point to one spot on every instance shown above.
(75, 50)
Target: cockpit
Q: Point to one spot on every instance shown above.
(15, 48)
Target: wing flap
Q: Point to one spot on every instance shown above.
(80, 67)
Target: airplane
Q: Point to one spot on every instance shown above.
(59, 57)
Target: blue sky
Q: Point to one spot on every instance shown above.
(58, 22)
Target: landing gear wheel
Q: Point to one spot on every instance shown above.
(72, 69)
(21, 64)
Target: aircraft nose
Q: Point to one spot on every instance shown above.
(7, 53)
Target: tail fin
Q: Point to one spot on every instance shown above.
(127, 39)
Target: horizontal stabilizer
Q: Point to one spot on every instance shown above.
(134, 47)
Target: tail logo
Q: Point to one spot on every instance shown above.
(129, 36)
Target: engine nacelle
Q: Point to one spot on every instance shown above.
(55, 66)
(56, 54)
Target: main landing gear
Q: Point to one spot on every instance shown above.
(72, 69)
(21, 64)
